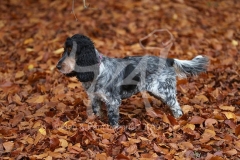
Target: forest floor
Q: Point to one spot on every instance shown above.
(43, 114)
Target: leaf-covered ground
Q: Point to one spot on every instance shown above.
(43, 115)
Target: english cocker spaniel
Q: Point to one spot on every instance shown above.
(110, 80)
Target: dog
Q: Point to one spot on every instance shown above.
(109, 80)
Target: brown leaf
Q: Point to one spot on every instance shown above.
(237, 130)
(132, 149)
(231, 124)
(133, 141)
(197, 120)
(8, 146)
(37, 99)
(6, 84)
(16, 119)
(201, 98)
(54, 143)
(102, 156)
(76, 147)
(19, 74)
(216, 158)
(210, 122)
(55, 155)
(187, 108)
(41, 156)
(121, 157)
(227, 108)
(165, 119)
(231, 152)
(38, 138)
(186, 145)
(17, 99)
(230, 115)
(159, 149)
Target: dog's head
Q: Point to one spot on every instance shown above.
(79, 55)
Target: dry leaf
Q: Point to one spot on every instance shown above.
(41, 156)
(42, 131)
(197, 120)
(227, 108)
(59, 51)
(230, 115)
(63, 143)
(19, 74)
(132, 149)
(231, 152)
(187, 108)
(37, 99)
(8, 146)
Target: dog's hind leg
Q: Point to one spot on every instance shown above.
(166, 91)
(171, 101)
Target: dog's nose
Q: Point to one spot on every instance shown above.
(59, 66)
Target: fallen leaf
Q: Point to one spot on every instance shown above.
(186, 145)
(227, 108)
(121, 157)
(30, 66)
(37, 99)
(132, 149)
(230, 115)
(63, 143)
(216, 158)
(165, 119)
(102, 156)
(27, 41)
(231, 152)
(59, 51)
(17, 119)
(191, 126)
(201, 98)
(42, 131)
(210, 122)
(237, 130)
(196, 120)
(234, 42)
(48, 158)
(41, 156)
(8, 146)
(54, 143)
(187, 108)
(19, 74)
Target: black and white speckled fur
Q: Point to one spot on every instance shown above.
(110, 80)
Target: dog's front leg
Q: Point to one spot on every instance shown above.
(113, 111)
(96, 106)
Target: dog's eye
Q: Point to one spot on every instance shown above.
(69, 49)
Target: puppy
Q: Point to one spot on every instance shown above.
(110, 80)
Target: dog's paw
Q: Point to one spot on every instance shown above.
(177, 113)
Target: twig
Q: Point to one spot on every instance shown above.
(165, 48)
(73, 11)
(84, 4)
(163, 44)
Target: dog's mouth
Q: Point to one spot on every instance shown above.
(67, 66)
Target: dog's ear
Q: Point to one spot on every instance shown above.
(68, 42)
(85, 56)
(68, 45)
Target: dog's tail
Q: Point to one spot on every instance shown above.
(192, 67)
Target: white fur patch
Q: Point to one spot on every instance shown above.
(68, 65)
